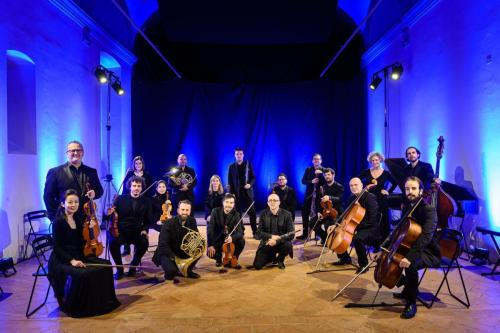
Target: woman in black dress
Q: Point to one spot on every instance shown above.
(385, 185)
(159, 198)
(80, 290)
(215, 195)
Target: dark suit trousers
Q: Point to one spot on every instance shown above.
(140, 242)
(266, 254)
(238, 248)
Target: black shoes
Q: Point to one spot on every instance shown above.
(409, 311)
(281, 265)
(238, 266)
(342, 262)
(118, 275)
(218, 263)
(193, 275)
(256, 237)
(131, 272)
(360, 270)
(303, 237)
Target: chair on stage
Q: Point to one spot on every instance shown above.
(450, 241)
(42, 248)
(492, 234)
(36, 220)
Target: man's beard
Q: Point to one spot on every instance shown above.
(412, 198)
(184, 217)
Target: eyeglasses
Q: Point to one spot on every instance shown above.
(273, 200)
(71, 151)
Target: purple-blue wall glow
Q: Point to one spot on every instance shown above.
(450, 87)
(67, 107)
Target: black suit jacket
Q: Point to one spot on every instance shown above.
(215, 228)
(170, 240)
(60, 179)
(183, 195)
(130, 220)
(426, 246)
(307, 178)
(288, 198)
(285, 226)
(233, 180)
(421, 170)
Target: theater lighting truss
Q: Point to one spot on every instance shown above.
(104, 75)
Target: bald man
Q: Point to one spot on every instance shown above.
(276, 232)
(368, 231)
(182, 182)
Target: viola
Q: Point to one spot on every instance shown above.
(93, 247)
(328, 210)
(113, 220)
(166, 209)
(341, 237)
(388, 272)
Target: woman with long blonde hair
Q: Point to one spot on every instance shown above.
(215, 195)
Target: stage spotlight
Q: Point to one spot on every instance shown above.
(100, 74)
(375, 82)
(117, 87)
(397, 71)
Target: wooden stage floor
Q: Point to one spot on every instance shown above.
(270, 300)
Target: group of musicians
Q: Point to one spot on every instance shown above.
(275, 229)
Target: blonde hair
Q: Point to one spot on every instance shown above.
(221, 187)
(375, 153)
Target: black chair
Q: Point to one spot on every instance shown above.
(493, 234)
(35, 220)
(42, 248)
(450, 242)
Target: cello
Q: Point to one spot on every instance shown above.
(445, 205)
(341, 237)
(388, 272)
(92, 247)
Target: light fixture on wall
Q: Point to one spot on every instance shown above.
(105, 75)
(396, 70)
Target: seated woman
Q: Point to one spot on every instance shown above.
(159, 199)
(80, 290)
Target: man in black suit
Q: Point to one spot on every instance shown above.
(71, 175)
(182, 182)
(313, 178)
(225, 220)
(276, 232)
(424, 252)
(368, 231)
(417, 168)
(241, 180)
(287, 195)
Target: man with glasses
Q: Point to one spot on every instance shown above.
(71, 175)
(287, 195)
(276, 233)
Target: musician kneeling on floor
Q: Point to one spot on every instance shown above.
(225, 220)
(170, 241)
(424, 252)
(276, 232)
(368, 231)
(134, 216)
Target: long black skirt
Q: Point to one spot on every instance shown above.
(83, 292)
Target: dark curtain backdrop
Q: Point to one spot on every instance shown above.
(280, 127)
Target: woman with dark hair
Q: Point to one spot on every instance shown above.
(138, 168)
(160, 198)
(385, 185)
(80, 290)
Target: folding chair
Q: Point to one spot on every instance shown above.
(450, 242)
(36, 219)
(42, 248)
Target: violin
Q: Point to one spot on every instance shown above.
(228, 250)
(388, 272)
(328, 210)
(166, 209)
(341, 237)
(93, 247)
(113, 220)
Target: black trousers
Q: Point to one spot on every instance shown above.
(140, 242)
(362, 238)
(170, 267)
(317, 226)
(238, 248)
(266, 254)
(242, 203)
(410, 279)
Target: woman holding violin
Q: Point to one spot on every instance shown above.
(425, 250)
(80, 290)
(225, 234)
(367, 230)
(161, 206)
(385, 184)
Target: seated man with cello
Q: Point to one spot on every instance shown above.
(225, 228)
(331, 193)
(134, 217)
(424, 251)
(276, 232)
(367, 231)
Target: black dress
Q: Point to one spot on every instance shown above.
(80, 292)
(214, 200)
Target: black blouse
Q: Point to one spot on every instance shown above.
(68, 243)
(384, 182)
